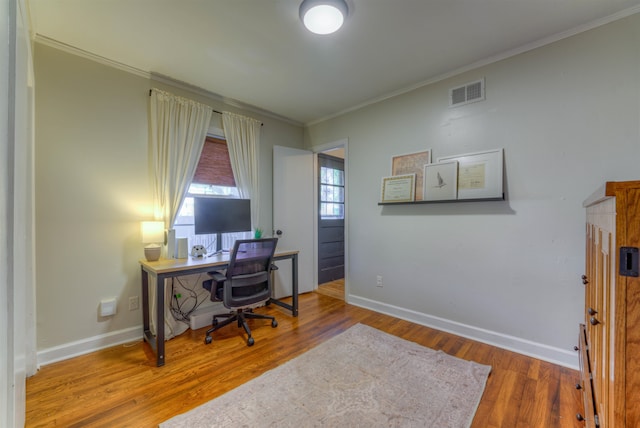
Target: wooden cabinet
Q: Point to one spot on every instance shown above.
(610, 337)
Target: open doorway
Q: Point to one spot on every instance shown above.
(331, 185)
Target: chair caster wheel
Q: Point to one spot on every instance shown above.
(250, 341)
(274, 323)
(208, 340)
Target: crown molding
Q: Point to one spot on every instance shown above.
(39, 38)
(161, 78)
(487, 61)
(158, 77)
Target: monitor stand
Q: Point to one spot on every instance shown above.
(218, 244)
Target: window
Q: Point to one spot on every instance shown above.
(331, 192)
(213, 176)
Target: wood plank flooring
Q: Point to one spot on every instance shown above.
(121, 387)
(332, 289)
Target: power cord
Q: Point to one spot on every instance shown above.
(179, 308)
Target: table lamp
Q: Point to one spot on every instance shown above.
(153, 235)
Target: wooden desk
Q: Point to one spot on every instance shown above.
(170, 268)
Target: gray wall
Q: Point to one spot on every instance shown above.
(93, 189)
(567, 116)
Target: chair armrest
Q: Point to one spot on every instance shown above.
(215, 285)
(216, 281)
(218, 276)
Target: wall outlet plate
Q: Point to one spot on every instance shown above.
(108, 307)
(134, 303)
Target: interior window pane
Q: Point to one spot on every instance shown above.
(331, 193)
(335, 194)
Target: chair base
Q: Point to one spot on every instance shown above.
(241, 317)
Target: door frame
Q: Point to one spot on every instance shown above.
(342, 143)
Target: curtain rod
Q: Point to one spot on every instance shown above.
(215, 111)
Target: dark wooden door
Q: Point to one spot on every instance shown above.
(331, 210)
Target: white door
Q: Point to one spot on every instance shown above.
(293, 211)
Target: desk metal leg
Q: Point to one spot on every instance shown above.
(294, 282)
(160, 320)
(145, 303)
(293, 307)
(156, 342)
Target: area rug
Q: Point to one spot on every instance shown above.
(361, 378)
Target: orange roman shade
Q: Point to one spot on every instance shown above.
(214, 166)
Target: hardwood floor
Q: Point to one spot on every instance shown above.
(121, 387)
(332, 289)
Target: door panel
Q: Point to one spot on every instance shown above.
(293, 214)
(330, 223)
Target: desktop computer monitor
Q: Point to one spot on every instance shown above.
(221, 215)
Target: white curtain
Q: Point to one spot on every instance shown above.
(243, 140)
(178, 128)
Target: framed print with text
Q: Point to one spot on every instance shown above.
(411, 163)
(399, 188)
(441, 181)
(479, 174)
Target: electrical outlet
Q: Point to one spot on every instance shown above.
(134, 303)
(379, 281)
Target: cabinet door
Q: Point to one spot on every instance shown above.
(585, 380)
(600, 305)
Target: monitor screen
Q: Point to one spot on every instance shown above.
(221, 215)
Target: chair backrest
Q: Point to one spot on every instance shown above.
(248, 281)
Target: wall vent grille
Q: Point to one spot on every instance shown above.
(467, 93)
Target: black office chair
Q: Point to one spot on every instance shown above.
(245, 285)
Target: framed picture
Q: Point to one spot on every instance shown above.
(479, 174)
(412, 163)
(440, 181)
(399, 188)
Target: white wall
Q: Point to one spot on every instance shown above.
(93, 189)
(567, 116)
(6, 286)
(16, 213)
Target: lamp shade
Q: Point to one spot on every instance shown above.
(152, 232)
(323, 16)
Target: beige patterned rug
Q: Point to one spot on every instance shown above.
(361, 378)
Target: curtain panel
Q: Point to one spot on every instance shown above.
(178, 128)
(178, 131)
(243, 140)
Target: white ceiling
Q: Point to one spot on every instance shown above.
(257, 51)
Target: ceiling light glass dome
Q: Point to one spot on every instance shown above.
(323, 16)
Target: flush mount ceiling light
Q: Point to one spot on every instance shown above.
(323, 16)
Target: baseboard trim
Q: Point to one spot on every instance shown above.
(91, 344)
(561, 357)
(547, 353)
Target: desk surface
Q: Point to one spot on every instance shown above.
(176, 265)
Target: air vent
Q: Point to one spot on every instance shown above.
(467, 93)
